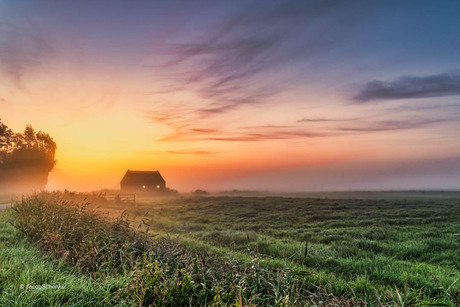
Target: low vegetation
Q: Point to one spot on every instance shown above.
(369, 248)
(231, 251)
(69, 230)
(28, 277)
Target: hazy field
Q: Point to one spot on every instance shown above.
(381, 249)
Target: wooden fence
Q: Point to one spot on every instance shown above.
(121, 197)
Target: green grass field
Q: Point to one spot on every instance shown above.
(355, 246)
(233, 251)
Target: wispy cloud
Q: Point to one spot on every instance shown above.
(246, 59)
(325, 120)
(446, 84)
(392, 125)
(230, 65)
(450, 107)
(265, 136)
(83, 108)
(335, 127)
(246, 134)
(182, 152)
(22, 49)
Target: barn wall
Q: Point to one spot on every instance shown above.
(139, 189)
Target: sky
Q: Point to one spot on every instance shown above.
(270, 95)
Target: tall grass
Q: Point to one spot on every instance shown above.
(69, 230)
(277, 271)
(26, 272)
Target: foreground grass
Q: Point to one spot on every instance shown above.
(235, 252)
(30, 278)
(152, 273)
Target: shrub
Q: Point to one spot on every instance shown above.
(200, 192)
(63, 225)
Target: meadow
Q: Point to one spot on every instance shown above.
(379, 250)
(356, 247)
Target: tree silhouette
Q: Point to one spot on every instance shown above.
(25, 159)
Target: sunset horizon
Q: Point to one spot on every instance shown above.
(284, 97)
(229, 153)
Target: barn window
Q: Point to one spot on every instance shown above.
(143, 186)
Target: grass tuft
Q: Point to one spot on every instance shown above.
(83, 237)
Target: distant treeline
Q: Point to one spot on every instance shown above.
(25, 158)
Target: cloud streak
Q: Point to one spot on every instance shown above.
(446, 84)
(183, 152)
(246, 59)
(230, 66)
(266, 136)
(22, 49)
(335, 127)
(393, 125)
(325, 120)
(247, 134)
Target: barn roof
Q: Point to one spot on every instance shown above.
(142, 178)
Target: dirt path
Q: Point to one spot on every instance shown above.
(3, 206)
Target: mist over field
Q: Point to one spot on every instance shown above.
(229, 153)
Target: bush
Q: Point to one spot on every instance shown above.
(200, 192)
(63, 225)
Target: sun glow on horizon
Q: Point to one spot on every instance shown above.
(221, 95)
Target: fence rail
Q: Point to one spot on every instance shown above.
(121, 197)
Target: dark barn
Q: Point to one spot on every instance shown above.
(144, 182)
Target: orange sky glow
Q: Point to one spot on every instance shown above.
(224, 96)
